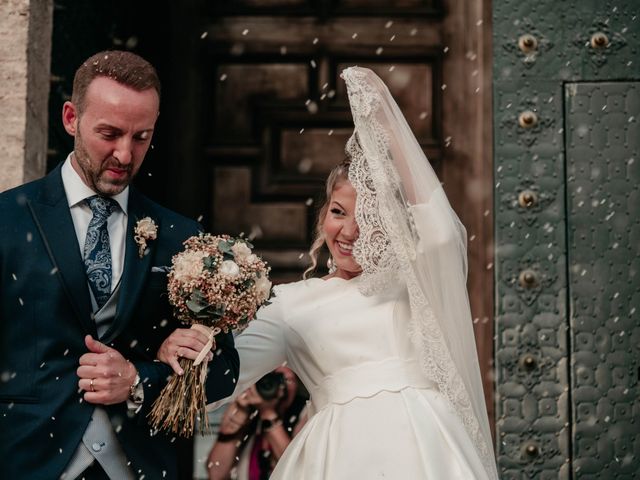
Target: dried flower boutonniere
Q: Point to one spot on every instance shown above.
(146, 229)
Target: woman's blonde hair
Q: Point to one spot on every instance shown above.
(339, 173)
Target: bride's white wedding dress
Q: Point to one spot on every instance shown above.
(372, 412)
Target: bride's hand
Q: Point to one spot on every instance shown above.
(182, 343)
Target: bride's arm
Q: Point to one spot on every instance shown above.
(261, 346)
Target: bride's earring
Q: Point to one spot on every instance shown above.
(331, 265)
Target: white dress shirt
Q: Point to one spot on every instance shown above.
(77, 191)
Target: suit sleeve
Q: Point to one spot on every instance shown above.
(223, 369)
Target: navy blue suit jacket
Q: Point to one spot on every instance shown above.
(45, 313)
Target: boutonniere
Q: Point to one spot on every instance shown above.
(146, 229)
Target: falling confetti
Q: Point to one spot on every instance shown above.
(312, 107)
(305, 165)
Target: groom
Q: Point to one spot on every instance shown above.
(83, 308)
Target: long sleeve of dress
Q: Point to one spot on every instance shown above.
(261, 347)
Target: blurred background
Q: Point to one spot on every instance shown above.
(528, 112)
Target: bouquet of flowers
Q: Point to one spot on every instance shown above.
(216, 284)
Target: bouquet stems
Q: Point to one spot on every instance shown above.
(182, 401)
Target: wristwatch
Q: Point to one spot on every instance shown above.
(136, 393)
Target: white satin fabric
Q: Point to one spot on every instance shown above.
(373, 413)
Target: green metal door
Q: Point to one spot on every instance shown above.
(603, 214)
(567, 233)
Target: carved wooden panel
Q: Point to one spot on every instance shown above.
(328, 8)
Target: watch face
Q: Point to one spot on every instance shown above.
(136, 394)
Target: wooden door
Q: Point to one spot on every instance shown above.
(265, 116)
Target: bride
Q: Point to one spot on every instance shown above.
(384, 343)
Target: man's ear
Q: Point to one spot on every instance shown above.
(70, 118)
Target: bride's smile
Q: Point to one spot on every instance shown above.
(341, 230)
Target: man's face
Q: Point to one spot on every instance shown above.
(112, 133)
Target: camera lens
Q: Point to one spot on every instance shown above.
(268, 387)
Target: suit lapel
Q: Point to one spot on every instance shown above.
(53, 218)
(136, 269)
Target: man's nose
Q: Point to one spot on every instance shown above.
(123, 151)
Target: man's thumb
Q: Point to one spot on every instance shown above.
(95, 346)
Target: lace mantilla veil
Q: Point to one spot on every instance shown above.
(410, 233)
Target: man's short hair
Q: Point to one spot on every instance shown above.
(124, 67)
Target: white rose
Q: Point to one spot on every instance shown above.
(230, 268)
(263, 287)
(251, 258)
(241, 250)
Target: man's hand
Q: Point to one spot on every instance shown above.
(105, 375)
(185, 343)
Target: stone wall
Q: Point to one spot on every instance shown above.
(25, 52)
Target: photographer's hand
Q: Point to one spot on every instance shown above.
(235, 417)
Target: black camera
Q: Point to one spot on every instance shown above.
(268, 387)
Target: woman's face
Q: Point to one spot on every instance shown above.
(341, 230)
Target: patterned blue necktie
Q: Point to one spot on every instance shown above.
(97, 251)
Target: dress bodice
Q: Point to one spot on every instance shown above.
(340, 343)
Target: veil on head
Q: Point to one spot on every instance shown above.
(409, 231)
